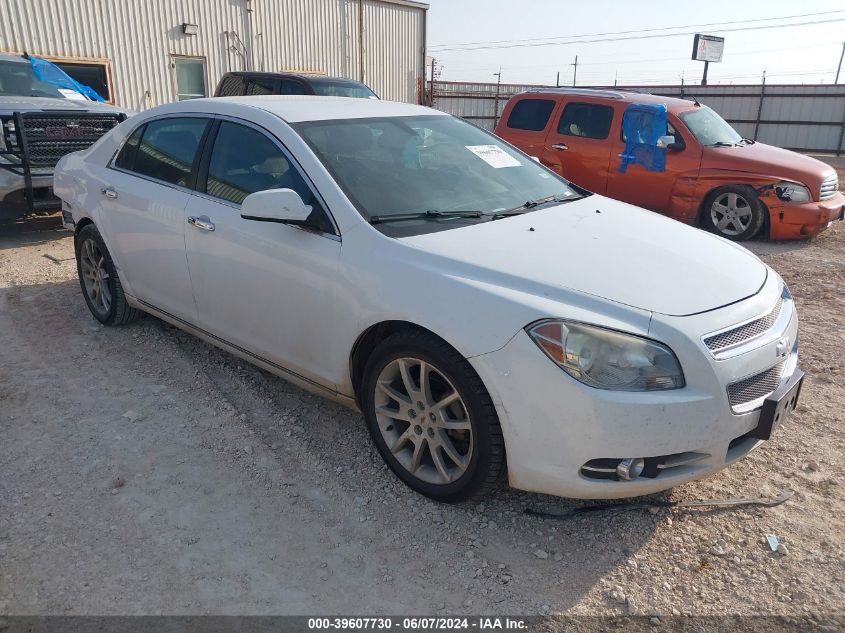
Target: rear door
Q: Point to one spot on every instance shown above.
(526, 123)
(144, 195)
(578, 146)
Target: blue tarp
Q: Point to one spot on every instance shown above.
(642, 127)
(50, 73)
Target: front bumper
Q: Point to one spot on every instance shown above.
(554, 425)
(795, 221)
(13, 201)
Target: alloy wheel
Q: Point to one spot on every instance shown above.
(731, 214)
(423, 421)
(95, 276)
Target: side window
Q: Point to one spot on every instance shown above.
(670, 130)
(261, 86)
(531, 114)
(126, 157)
(231, 86)
(167, 149)
(291, 87)
(233, 174)
(589, 120)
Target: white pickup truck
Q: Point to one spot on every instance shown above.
(40, 123)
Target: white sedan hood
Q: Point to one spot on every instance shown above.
(608, 249)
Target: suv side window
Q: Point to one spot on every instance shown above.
(589, 120)
(168, 148)
(125, 158)
(670, 130)
(261, 86)
(531, 114)
(231, 86)
(291, 87)
(233, 174)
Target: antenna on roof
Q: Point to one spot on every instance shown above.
(695, 101)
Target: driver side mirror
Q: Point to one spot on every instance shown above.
(668, 142)
(276, 205)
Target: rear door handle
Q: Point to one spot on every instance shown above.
(108, 192)
(201, 222)
(560, 146)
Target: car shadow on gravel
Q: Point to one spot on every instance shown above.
(30, 231)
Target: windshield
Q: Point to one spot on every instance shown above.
(338, 88)
(414, 165)
(709, 128)
(18, 80)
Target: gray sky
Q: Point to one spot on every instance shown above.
(800, 54)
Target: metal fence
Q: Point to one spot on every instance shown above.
(808, 118)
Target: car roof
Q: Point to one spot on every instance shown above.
(283, 74)
(673, 104)
(7, 57)
(295, 108)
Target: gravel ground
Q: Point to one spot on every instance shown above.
(144, 471)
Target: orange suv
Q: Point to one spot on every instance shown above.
(711, 176)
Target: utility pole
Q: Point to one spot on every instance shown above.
(431, 92)
(557, 81)
(575, 71)
(615, 78)
(496, 103)
(839, 68)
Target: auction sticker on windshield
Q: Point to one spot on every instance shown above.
(494, 156)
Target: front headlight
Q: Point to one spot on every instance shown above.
(792, 192)
(607, 359)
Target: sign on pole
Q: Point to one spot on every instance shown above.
(708, 48)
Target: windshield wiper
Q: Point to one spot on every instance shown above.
(530, 205)
(748, 141)
(722, 144)
(398, 217)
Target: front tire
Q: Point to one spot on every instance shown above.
(734, 212)
(99, 281)
(431, 418)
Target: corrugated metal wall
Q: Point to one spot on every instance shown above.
(140, 37)
(802, 117)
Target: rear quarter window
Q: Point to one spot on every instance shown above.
(531, 114)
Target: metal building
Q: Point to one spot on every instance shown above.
(140, 53)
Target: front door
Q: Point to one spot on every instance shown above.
(655, 190)
(578, 148)
(266, 287)
(143, 195)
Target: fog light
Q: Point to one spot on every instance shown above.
(630, 468)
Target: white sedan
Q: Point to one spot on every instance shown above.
(488, 318)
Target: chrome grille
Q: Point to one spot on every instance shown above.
(743, 393)
(830, 186)
(746, 331)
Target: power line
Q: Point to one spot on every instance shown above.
(642, 37)
(665, 28)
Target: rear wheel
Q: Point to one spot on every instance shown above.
(99, 281)
(431, 418)
(734, 212)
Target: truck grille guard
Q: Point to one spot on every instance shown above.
(41, 138)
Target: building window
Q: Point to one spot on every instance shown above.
(190, 77)
(91, 74)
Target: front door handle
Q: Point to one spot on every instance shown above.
(201, 222)
(560, 146)
(108, 192)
